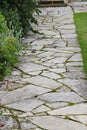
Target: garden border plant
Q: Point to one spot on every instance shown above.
(9, 48)
(81, 29)
(19, 14)
(16, 18)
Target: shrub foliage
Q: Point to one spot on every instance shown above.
(20, 13)
(16, 18)
(9, 48)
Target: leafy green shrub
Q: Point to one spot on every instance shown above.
(19, 13)
(9, 48)
(11, 15)
(19, 18)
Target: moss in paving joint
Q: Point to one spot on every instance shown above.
(66, 68)
(72, 9)
(71, 103)
(68, 58)
(56, 89)
(59, 74)
(48, 107)
(13, 109)
(43, 48)
(67, 117)
(85, 101)
(67, 43)
(61, 35)
(41, 72)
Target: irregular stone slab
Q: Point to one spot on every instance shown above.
(70, 110)
(56, 36)
(38, 129)
(51, 75)
(81, 89)
(27, 67)
(60, 50)
(67, 27)
(59, 44)
(27, 126)
(44, 27)
(25, 115)
(72, 49)
(74, 75)
(10, 85)
(70, 82)
(43, 42)
(16, 72)
(54, 123)
(69, 35)
(73, 42)
(28, 40)
(45, 59)
(26, 59)
(34, 73)
(57, 60)
(22, 94)
(72, 64)
(57, 105)
(61, 96)
(42, 108)
(26, 105)
(64, 31)
(45, 54)
(80, 6)
(66, 55)
(58, 70)
(51, 33)
(75, 69)
(44, 63)
(36, 47)
(80, 118)
(76, 57)
(44, 82)
(64, 21)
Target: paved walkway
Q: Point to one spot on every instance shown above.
(48, 88)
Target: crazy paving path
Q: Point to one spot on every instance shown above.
(48, 88)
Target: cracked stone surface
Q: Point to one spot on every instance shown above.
(47, 89)
(52, 123)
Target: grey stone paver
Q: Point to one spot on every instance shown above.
(26, 92)
(44, 82)
(26, 105)
(54, 123)
(71, 110)
(48, 88)
(65, 96)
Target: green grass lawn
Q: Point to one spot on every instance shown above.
(81, 28)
